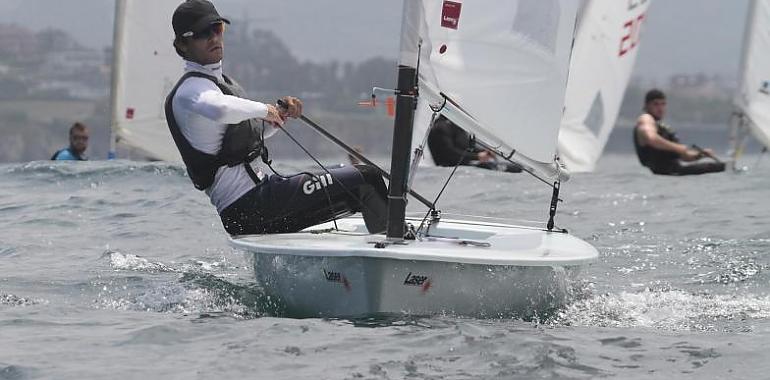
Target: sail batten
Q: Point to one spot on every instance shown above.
(145, 69)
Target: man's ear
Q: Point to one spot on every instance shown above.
(180, 47)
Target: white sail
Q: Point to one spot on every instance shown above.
(504, 64)
(753, 98)
(603, 58)
(145, 69)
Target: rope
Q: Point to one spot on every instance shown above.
(326, 191)
(425, 218)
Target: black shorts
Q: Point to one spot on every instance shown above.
(289, 204)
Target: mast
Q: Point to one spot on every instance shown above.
(406, 101)
(117, 73)
(402, 143)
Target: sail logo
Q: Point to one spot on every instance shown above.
(316, 183)
(765, 88)
(450, 14)
(337, 277)
(417, 280)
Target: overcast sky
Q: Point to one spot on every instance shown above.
(681, 36)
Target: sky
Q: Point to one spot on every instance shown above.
(680, 36)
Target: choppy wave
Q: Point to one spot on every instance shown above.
(671, 310)
(15, 372)
(63, 170)
(13, 300)
(198, 289)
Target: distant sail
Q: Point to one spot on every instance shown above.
(603, 58)
(145, 69)
(752, 101)
(504, 64)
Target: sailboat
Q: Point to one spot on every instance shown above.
(498, 69)
(145, 69)
(606, 46)
(752, 101)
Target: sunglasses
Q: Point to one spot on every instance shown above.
(215, 29)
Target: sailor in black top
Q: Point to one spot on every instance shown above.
(659, 149)
(450, 145)
(219, 133)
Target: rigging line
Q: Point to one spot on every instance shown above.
(355, 154)
(462, 158)
(508, 158)
(419, 151)
(494, 150)
(342, 185)
(311, 175)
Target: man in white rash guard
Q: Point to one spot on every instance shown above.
(219, 132)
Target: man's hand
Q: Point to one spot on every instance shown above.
(708, 153)
(485, 156)
(691, 155)
(273, 116)
(290, 107)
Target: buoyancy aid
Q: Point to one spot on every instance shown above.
(241, 144)
(653, 157)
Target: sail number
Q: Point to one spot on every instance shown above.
(630, 36)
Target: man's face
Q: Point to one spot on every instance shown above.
(79, 141)
(656, 108)
(206, 46)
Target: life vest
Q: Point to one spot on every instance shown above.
(654, 158)
(450, 144)
(241, 144)
(71, 152)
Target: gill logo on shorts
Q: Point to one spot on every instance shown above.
(316, 183)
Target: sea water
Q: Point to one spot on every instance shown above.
(122, 270)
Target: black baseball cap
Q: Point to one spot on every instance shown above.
(193, 16)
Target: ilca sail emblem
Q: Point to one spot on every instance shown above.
(450, 14)
(418, 280)
(765, 88)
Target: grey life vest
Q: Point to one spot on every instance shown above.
(242, 142)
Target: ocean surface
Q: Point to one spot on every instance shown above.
(122, 270)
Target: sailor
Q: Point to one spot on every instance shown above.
(78, 145)
(450, 145)
(658, 147)
(219, 132)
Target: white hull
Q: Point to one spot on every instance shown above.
(524, 271)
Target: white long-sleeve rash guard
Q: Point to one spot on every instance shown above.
(203, 112)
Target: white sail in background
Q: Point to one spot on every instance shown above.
(145, 69)
(753, 98)
(603, 58)
(505, 65)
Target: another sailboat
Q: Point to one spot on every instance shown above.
(498, 69)
(145, 67)
(603, 58)
(752, 101)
